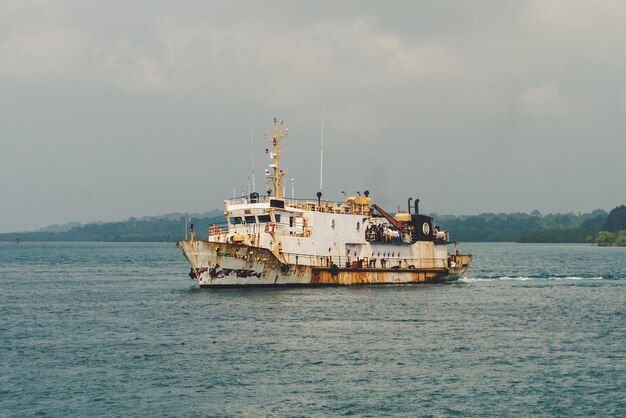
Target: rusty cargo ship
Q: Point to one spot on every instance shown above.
(271, 240)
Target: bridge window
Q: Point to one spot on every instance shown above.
(275, 203)
(277, 217)
(236, 220)
(250, 219)
(264, 218)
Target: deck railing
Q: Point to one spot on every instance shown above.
(265, 199)
(306, 204)
(364, 262)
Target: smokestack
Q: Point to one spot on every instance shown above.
(417, 206)
(409, 207)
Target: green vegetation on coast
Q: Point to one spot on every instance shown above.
(594, 227)
(613, 231)
(605, 229)
(523, 227)
(155, 229)
(607, 239)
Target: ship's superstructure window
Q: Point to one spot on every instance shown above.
(291, 221)
(236, 220)
(358, 226)
(277, 217)
(275, 203)
(264, 218)
(250, 219)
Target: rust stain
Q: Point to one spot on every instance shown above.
(371, 276)
(217, 272)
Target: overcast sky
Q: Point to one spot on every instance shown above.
(111, 109)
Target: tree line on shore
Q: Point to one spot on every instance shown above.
(613, 232)
(131, 230)
(599, 227)
(595, 227)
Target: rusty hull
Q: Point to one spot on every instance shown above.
(377, 276)
(230, 265)
(361, 276)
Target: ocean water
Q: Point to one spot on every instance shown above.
(108, 329)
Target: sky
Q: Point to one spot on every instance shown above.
(130, 108)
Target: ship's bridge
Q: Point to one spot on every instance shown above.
(250, 215)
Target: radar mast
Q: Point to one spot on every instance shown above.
(277, 177)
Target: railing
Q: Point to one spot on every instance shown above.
(306, 204)
(255, 228)
(248, 228)
(365, 262)
(218, 229)
(265, 199)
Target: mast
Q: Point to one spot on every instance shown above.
(277, 177)
(322, 157)
(252, 153)
(319, 194)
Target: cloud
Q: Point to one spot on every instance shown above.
(544, 99)
(190, 58)
(580, 15)
(42, 56)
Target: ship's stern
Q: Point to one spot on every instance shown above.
(458, 265)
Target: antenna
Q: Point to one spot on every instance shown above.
(187, 223)
(293, 189)
(252, 152)
(322, 158)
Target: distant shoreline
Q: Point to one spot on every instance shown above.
(598, 226)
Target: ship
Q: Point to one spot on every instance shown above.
(272, 240)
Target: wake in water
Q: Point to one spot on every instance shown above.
(537, 278)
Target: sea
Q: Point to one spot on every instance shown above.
(119, 329)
